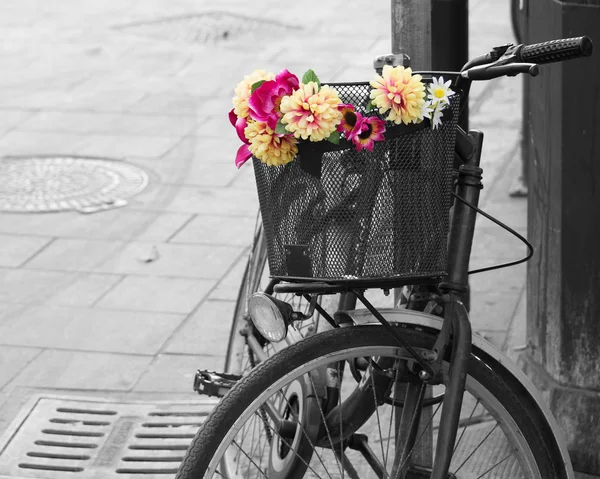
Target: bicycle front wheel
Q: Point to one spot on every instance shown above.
(259, 427)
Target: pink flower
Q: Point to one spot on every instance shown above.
(367, 131)
(350, 117)
(240, 125)
(264, 102)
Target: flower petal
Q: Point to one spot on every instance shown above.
(240, 126)
(232, 117)
(284, 77)
(261, 103)
(243, 154)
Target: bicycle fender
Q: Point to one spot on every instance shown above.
(362, 317)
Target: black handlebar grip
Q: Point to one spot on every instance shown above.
(557, 50)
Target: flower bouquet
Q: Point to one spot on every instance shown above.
(353, 179)
(272, 114)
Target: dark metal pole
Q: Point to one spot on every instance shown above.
(450, 39)
(411, 31)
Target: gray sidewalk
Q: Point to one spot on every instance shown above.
(127, 303)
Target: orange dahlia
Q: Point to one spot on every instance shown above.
(400, 92)
(310, 112)
(268, 147)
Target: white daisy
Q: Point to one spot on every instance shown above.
(426, 110)
(436, 115)
(439, 92)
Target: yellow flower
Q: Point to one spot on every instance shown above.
(268, 147)
(399, 92)
(311, 113)
(244, 89)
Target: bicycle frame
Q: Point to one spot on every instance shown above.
(456, 320)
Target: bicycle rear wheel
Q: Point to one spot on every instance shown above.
(254, 430)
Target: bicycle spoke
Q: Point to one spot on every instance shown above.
(475, 450)
(348, 467)
(326, 428)
(234, 442)
(496, 465)
(413, 421)
(465, 428)
(339, 386)
(295, 453)
(387, 453)
(306, 435)
(383, 456)
(255, 445)
(425, 428)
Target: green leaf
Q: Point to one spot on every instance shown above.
(309, 76)
(280, 128)
(335, 137)
(370, 106)
(256, 85)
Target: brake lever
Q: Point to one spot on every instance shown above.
(496, 70)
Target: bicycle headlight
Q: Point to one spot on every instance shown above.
(270, 316)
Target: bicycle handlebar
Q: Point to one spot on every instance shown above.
(510, 60)
(555, 50)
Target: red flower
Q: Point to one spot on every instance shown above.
(366, 132)
(350, 118)
(264, 102)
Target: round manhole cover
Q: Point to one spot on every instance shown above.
(60, 183)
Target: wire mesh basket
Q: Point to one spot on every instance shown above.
(338, 215)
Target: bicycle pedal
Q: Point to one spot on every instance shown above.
(211, 383)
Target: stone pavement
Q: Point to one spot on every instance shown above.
(129, 302)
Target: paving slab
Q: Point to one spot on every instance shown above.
(156, 294)
(66, 122)
(200, 161)
(16, 250)
(84, 289)
(116, 224)
(13, 360)
(197, 200)
(30, 143)
(212, 317)
(65, 254)
(492, 243)
(89, 329)
(30, 286)
(228, 287)
(83, 371)
(176, 373)
(118, 146)
(494, 309)
(209, 229)
(175, 260)
(516, 337)
(10, 119)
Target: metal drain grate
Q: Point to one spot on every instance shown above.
(89, 439)
(100, 440)
(58, 183)
(209, 27)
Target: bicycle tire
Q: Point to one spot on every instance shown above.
(522, 425)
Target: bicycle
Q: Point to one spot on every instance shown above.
(398, 393)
